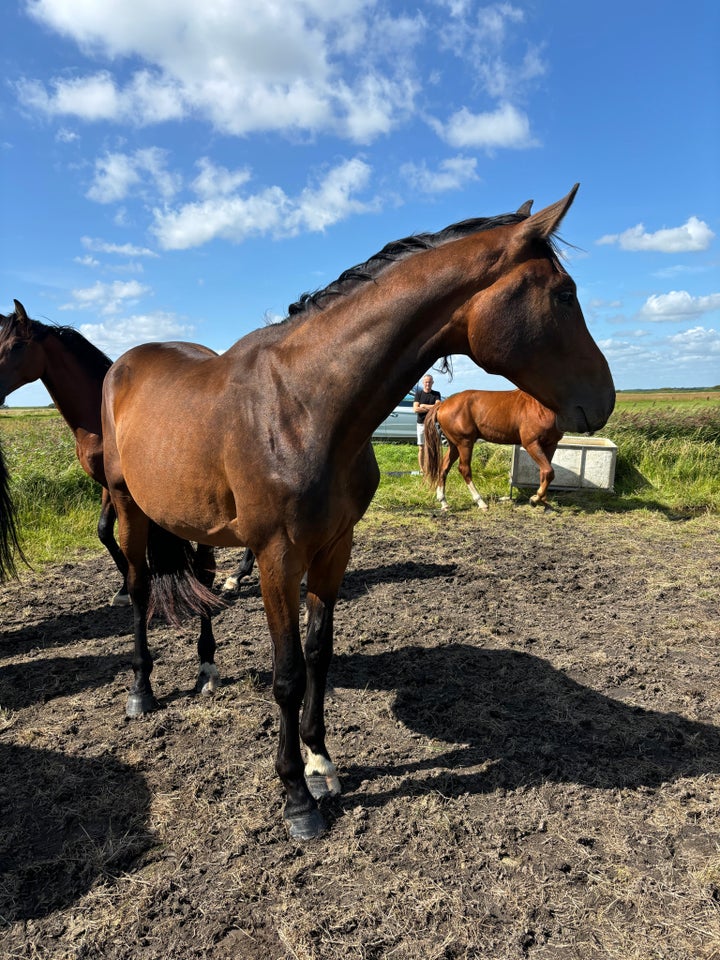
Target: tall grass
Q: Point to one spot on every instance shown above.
(57, 504)
(668, 460)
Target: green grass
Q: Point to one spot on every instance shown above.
(668, 460)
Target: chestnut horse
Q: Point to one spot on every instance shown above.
(500, 416)
(72, 370)
(268, 444)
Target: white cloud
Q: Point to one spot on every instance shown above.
(214, 181)
(106, 298)
(121, 249)
(122, 334)
(245, 67)
(269, 211)
(692, 236)
(678, 305)
(452, 174)
(118, 174)
(697, 343)
(505, 127)
(87, 261)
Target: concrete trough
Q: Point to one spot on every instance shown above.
(580, 463)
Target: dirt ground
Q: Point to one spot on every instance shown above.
(525, 711)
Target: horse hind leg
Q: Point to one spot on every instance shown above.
(243, 570)
(107, 538)
(141, 699)
(209, 676)
(448, 460)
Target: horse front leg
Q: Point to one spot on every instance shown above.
(106, 536)
(465, 468)
(280, 575)
(209, 675)
(448, 460)
(324, 578)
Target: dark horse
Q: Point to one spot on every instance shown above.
(72, 370)
(268, 445)
(500, 416)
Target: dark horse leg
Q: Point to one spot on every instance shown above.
(281, 569)
(542, 457)
(106, 536)
(323, 579)
(465, 467)
(207, 680)
(243, 570)
(133, 538)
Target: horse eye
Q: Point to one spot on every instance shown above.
(566, 296)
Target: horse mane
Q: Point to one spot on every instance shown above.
(87, 353)
(393, 252)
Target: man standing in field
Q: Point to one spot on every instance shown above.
(425, 399)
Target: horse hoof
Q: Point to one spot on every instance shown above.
(208, 678)
(230, 585)
(306, 826)
(321, 786)
(120, 599)
(139, 704)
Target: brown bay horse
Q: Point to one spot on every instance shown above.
(72, 370)
(498, 416)
(268, 445)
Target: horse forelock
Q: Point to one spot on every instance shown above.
(393, 252)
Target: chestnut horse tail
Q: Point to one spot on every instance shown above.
(432, 455)
(9, 545)
(175, 591)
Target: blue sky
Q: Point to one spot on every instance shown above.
(185, 170)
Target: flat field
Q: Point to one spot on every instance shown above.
(525, 711)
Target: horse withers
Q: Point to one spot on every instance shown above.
(498, 416)
(268, 445)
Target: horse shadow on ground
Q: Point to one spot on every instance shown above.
(532, 722)
(67, 628)
(42, 680)
(67, 821)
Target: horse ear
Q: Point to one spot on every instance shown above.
(20, 310)
(544, 223)
(524, 210)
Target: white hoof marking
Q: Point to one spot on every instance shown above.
(318, 765)
(208, 678)
(231, 583)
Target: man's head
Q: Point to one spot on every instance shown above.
(427, 383)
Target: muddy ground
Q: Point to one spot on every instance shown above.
(525, 710)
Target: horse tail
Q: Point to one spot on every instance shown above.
(175, 590)
(9, 544)
(432, 449)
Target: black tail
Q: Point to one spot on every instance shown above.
(175, 591)
(9, 545)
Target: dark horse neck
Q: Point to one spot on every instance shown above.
(391, 331)
(74, 384)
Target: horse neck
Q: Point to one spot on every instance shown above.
(76, 391)
(373, 345)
